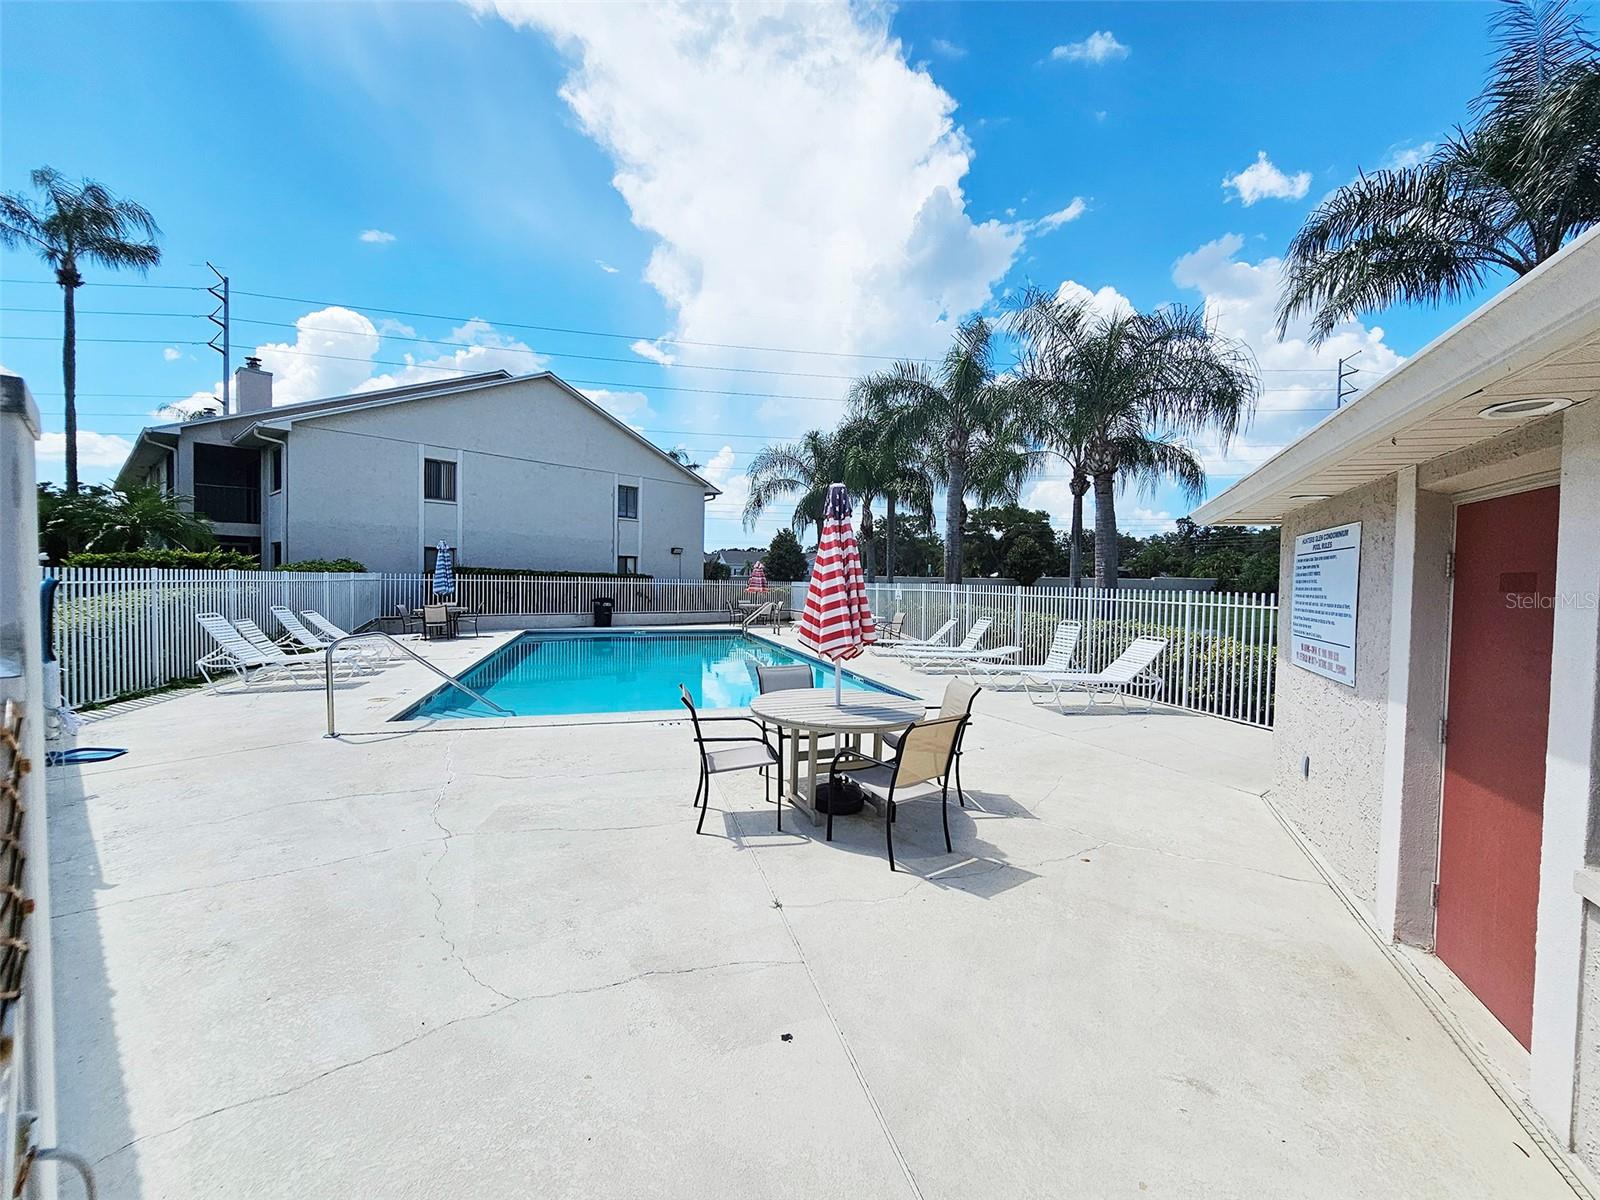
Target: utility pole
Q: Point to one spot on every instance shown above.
(219, 318)
(1344, 387)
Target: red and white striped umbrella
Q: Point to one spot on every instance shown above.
(836, 618)
(758, 578)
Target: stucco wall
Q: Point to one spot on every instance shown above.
(1342, 729)
(536, 486)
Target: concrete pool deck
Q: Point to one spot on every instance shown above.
(463, 961)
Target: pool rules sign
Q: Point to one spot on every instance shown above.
(1322, 604)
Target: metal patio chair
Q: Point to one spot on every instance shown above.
(721, 755)
(920, 771)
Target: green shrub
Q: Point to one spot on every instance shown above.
(324, 565)
(180, 560)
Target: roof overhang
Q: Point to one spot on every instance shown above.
(1538, 338)
(152, 444)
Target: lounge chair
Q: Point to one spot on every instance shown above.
(720, 755)
(958, 698)
(1063, 646)
(920, 771)
(327, 632)
(893, 646)
(247, 658)
(954, 656)
(1130, 669)
(303, 639)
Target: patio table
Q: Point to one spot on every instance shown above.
(811, 713)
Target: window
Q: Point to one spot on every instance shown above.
(430, 558)
(438, 479)
(276, 460)
(628, 501)
(277, 554)
(628, 564)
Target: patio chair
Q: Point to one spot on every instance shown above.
(1130, 669)
(893, 646)
(1063, 646)
(729, 754)
(735, 613)
(467, 616)
(894, 628)
(958, 698)
(242, 655)
(302, 638)
(920, 770)
(781, 679)
(436, 621)
(326, 632)
(406, 618)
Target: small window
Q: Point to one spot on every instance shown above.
(277, 554)
(628, 564)
(430, 558)
(628, 501)
(438, 479)
(276, 459)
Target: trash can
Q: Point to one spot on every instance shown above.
(602, 611)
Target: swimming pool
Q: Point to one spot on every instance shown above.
(563, 673)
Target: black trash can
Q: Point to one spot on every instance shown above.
(602, 611)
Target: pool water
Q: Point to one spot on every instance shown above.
(556, 674)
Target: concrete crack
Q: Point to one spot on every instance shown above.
(427, 879)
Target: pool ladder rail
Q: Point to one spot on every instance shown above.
(327, 664)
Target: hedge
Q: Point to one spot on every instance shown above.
(184, 560)
(524, 572)
(326, 566)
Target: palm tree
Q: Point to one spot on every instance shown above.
(1504, 194)
(105, 520)
(77, 224)
(1114, 394)
(782, 469)
(961, 421)
(876, 465)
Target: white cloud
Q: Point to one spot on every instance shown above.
(377, 237)
(1261, 180)
(331, 355)
(172, 354)
(1403, 156)
(1106, 301)
(605, 266)
(94, 449)
(947, 49)
(631, 408)
(194, 403)
(652, 351)
(389, 327)
(801, 182)
(719, 472)
(1099, 47)
(1061, 216)
(483, 348)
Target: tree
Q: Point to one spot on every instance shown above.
(1115, 393)
(717, 571)
(72, 225)
(960, 420)
(876, 464)
(102, 520)
(785, 561)
(806, 467)
(1502, 195)
(1026, 560)
(990, 534)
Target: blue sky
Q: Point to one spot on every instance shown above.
(813, 189)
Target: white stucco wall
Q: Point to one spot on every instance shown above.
(1341, 729)
(536, 486)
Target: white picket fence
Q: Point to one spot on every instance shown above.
(1223, 651)
(122, 630)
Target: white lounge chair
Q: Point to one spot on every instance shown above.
(302, 637)
(1063, 646)
(247, 659)
(254, 634)
(892, 645)
(1130, 669)
(327, 631)
(967, 644)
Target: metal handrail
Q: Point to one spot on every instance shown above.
(327, 670)
(764, 610)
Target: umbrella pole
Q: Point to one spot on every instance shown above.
(838, 684)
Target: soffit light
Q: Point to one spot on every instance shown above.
(1311, 496)
(1517, 410)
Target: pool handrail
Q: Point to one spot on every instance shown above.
(376, 633)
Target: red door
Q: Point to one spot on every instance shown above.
(1501, 623)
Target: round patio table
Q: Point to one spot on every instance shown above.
(811, 713)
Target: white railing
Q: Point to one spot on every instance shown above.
(122, 630)
(1221, 661)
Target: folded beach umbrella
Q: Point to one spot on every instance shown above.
(758, 578)
(837, 619)
(444, 572)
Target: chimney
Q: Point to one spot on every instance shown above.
(252, 387)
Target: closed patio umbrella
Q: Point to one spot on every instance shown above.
(444, 572)
(758, 578)
(837, 618)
